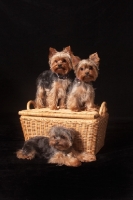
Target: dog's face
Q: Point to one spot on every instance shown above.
(87, 69)
(61, 138)
(61, 62)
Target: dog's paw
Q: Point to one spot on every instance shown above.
(75, 109)
(86, 157)
(20, 154)
(53, 108)
(73, 162)
(62, 107)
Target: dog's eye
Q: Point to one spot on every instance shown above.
(56, 61)
(63, 60)
(90, 67)
(81, 68)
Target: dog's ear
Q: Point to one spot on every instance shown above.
(75, 61)
(67, 50)
(73, 133)
(52, 51)
(95, 58)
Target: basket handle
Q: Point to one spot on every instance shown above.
(31, 102)
(103, 108)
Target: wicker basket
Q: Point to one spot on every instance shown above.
(90, 126)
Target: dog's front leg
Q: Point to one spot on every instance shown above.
(52, 99)
(40, 101)
(89, 104)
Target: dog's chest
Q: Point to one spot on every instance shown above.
(60, 86)
(83, 90)
(61, 83)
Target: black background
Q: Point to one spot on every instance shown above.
(27, 29)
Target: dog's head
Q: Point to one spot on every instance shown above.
(87, 69)
(62, 62)
(61, 138)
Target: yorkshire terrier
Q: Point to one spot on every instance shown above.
(52, 85)
(57, 148)
(81, 93)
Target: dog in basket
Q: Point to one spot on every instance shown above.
(57, 148)
(81, 93)
(52, 84)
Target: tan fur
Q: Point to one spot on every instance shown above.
(82, 94)
(61, 63)
(29, 156)
(65, 159)
(84, 156)
(58, 148)
(41, 98)
(58, 91)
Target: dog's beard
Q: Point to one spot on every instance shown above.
(87, 78)
(61, 70)
(60, 145)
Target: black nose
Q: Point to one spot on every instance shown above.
(87, 73)
(60, 66)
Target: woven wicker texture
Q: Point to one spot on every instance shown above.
(90, 130)
(61, 113)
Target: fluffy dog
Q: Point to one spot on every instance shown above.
(52, 85)
(81, 94)
(57, 148)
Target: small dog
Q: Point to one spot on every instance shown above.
(52, 85)
(55, 149)
(81, 93)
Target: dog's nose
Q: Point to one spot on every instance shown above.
(87, 73)
(60, 65)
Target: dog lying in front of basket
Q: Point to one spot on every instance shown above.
(57, 148)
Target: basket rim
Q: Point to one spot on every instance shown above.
(65, 113)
